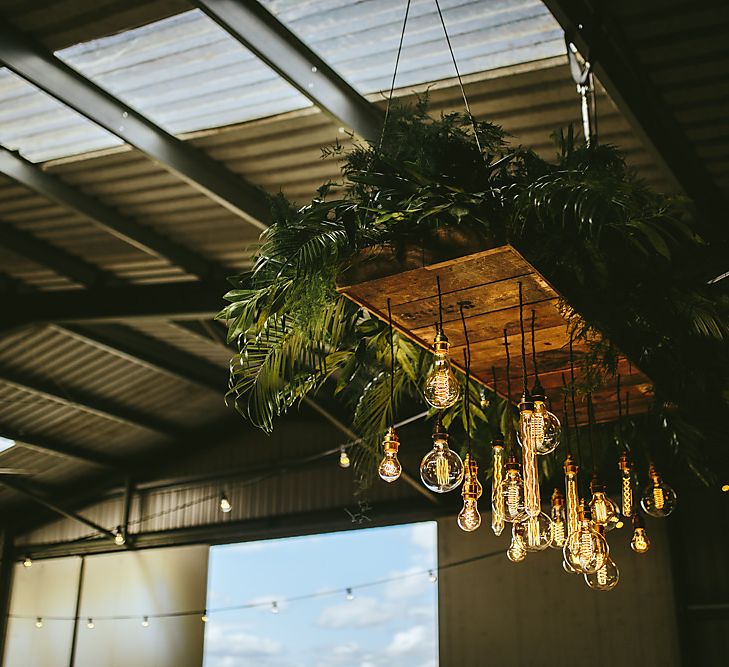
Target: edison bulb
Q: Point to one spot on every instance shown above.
(344, 461)
(517, 549)
(390, 468)
(559, 523)
(512, 491)
(441, 389)
(469, 518)
(626, 485)
(586, 549)
(658, 499)
(538, 532)
(603, 509)
(119, 538)
(441, 468)
(546, 429)
(640, 542)
(606, 578)
(497, 500)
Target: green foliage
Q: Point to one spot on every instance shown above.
(625, 258)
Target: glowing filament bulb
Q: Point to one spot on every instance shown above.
(603, 510)
(441, 389)
(570, 472)
(390, 468)
(469, 518)
(532, 500)
(658, 498)
(441, 469)
(546, 429)
(626, 485)
(606, 578)
(497, 499)
(559, 526)
(586, 549)
(517, 549)
(344, 461)
(640, 542)
(538, 532)
(512, 493)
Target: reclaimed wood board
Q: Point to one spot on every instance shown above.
(487, 285)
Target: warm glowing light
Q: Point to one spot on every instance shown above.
(725, 488)
(559, 525)
(603, 509)
(441, 389)
(344, 461)
(390, 468)
(225, 505)
(39, 622)
(517, 549)
(586, 549)
(538, 532)
(90, 624)
(626, 485)
(204, 618)
(546, 429)
(119, 538)
(640, 542)
(497, 499)
(512, 492)
(469, 518)
(606, 578)
(658, 499)
(145, 622)
(27, 562)
(441, 468)
(532, 501)
(570, 473)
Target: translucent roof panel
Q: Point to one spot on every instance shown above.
(359, 39)
(184, 73)
(40, 127)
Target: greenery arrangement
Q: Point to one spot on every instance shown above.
(627, 259)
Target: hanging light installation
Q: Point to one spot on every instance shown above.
(441, 468)
(658, 499)
(441, 388)
(538, 531)
(517, 550)
(586, 550)
(469, 518)
(497, 476)
(526, 433)
(390, 468)
(640, 542)
(559, 525)
(545, 427)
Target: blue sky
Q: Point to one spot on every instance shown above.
(384, 625)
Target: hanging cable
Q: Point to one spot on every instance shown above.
(565, 418)
(394, 76)
(392, 364)
(467, 393)
(440, 304)
(590, 419)
(458, 74)
(509, 430)
(534, 352)
(523, 343)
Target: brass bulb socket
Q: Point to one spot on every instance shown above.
(512, 463)
(391, 442)
(471, 490)
(570, 467)
(441, 342)
(624, 463)
(557, 498)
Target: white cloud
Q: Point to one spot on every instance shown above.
(230, 643)
(357, 613)
(408, 641)
(409, 583)
(424, 536)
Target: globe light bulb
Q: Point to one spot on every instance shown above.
(532, 501)
(27, 562)
(344, 461)
(225, 505)
(39, 622)
(517, 550)
(512, 492)
(538, 532)
(390, 468)
(441, 389)
(497, 499)
(586, 549)
(469, 518)
(606, 578)
(626, 485)
(559, 524)
(602, 509)
(570, 475)
(546, 429)
(441, 468)
(640, 542)
(658, 499)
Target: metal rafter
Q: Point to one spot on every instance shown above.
(33, 63)
(85, 401)
(58, 260)
(196, 300)
(51, 446)
(617, 67)
(121, 226)
(261, 32)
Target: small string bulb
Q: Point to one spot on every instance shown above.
(432, 576)
(204, 617)
(274, 608)
(90, 624)
(27, 562)
(390, 468)
(39, 622)
(145, 622)
(225, 505)
(119, 538)
(344, 461)
(350, 595)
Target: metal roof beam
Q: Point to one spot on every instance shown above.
(52, 257)
(195, 300)
(90, 403)
(617, 67)
(32, 62)
(129, 230)
(261, 32)
(152, 353)
(51, 446)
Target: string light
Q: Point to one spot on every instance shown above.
(27, 562)
(90, 624)
(39, 622)
(274, 607)
(350, 594)
(432, 576)
(204, 617)
(344, 461)
(145, 622)
(119, 538)
(225, 505)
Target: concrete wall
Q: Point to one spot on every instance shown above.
(532, 614)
